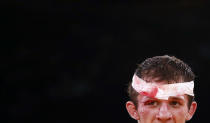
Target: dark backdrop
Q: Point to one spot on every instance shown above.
(70, 61)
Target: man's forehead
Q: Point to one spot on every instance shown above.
(177, 97)
(145, 98)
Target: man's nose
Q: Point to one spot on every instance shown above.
(164, 114)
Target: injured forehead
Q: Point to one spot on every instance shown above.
(162, 91)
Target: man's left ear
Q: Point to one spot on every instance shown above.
(192, 110)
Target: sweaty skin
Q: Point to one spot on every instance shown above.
(152, 110)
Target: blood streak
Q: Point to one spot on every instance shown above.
(152, 93)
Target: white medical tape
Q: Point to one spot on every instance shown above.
(162, 91)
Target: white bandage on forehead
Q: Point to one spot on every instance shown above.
(162, 91)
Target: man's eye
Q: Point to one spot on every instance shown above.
(175, 103)
(153, 103)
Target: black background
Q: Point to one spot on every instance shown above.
(70, 61)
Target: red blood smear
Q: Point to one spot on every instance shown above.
(150, 94)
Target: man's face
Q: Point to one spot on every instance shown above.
(151, 110)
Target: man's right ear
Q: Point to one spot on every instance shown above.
(132, 110)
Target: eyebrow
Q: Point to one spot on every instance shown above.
(176, 98)
(150, 98)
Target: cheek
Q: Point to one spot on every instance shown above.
(179, 113)
(146, 113)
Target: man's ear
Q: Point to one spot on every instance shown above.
(192, 110)
(132, 110)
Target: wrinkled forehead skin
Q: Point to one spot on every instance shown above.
(162, 91)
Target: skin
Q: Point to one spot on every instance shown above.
(151, 110)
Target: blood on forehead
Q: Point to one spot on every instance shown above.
(151, 93)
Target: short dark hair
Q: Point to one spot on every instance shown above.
(165, 68)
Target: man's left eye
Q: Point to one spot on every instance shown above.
(174, 103)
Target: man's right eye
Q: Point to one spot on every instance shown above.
(151, 102)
